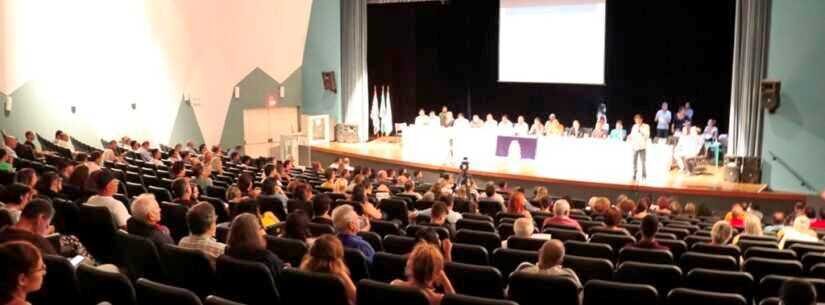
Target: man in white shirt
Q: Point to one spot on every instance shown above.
(662, 119)
(638, 138)
(144, 152)
(688, 147)
(505, 126)
(421, 119)
(711, 132)
(520, 128)
(106, 185)
(434, 120)
(537, 129)
(62, 139)
(476, 122)
(461, 122)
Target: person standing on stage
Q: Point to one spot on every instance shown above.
(553, 127)
(520, 129)
(490, 122)
(678, 127)
(421, 119)
(443, 119)
(688, 111)
(638, 138)
(461, 122)
(662, 119)
(537, 129)
(476, 122)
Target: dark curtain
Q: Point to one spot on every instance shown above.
(434, 54)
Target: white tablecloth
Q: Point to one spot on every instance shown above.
(557, 157)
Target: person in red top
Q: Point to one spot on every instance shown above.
(736, 216)
(561, 210)
(819, 223)
(650, 225)
(517, 203)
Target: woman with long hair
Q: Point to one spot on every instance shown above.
(22, 269)
(327, 256)
(425, 271)
(246, 242)
(517, 204)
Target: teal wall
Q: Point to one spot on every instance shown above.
(796, 132)
(322, 52)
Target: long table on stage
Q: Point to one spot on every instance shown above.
(554, 156)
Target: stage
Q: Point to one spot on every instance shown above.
(387, 152)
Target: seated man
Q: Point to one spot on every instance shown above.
(461, 121)
(561, 210)
(649, 228)
(490, 122)
(33, 225)
(476, 122)
(16, 197)
(182, 190)
(551, 255)
(524, 228)
(688, 147)
(145, 220)
(438, 218)
(451, 216)
(348, 224)
(106, 186)
(422, 119)
(202, 223)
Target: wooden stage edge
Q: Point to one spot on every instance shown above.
(733, 190)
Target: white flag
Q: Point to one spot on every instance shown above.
(374, 115)
(382, 112)
(387, 119)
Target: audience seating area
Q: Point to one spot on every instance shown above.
(692, 271)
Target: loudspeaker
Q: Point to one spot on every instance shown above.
(328, 78)
(346, 133)
(751, 170)
(769, 93)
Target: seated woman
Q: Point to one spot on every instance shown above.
(425, 271)
(612, 220)
(753, 227)
(800, 231)
(359, 195)
(518, 205)
(22, 270)
(720, 233)
(246, 242)
(736, 216)
(327, 256)
(297, 227)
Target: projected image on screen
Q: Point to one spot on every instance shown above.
(552, 41)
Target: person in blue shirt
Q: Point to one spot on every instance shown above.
(618, 133)
(348, 224)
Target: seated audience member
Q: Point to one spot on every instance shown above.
(430, 236)
(736, 216)
(330, 173)
(523, 227)
(178, 170)
(321, 205)
(65, 169)
(359, 195)
(753, 227)
(11, 147)
(490, 194)
(599, 206)
(246, 242)
(297, 227)
(145, 220)
(340, 186)
(5, 162)
(33, 226)
(641, 210)
(94, 161)
(202, 222)
(157, 157)
(25, 150)
(551, 256)
(753, 209)
(541, 205)
(144, 152)
(15, 197)
(439, 215)
(798, 291)
(327, 256)
(26, 176)
(720, 233)
(110, 152)
(663, 205)
(777, 223)
(21, 272)
(561, 212)
(689, 211)
(425, 271)
(50, 186)
(270, 189)
(448, 200)
(348, 224)
(409, 189)
(246, 183)
(106, 186)
(800, 231)
(819, 223)
(627, 207)
(612, 220)
(182, 191)
(618, 133)
(517, 204)
(649, 228)
(200, 175)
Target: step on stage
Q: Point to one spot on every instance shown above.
(387, 152)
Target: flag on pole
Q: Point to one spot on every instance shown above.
(382, 111)
(376, 120)
(387, 119)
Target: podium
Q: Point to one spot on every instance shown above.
(289, 147)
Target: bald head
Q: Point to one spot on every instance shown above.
(551, 254)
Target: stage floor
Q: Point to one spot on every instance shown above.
(711, 182)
